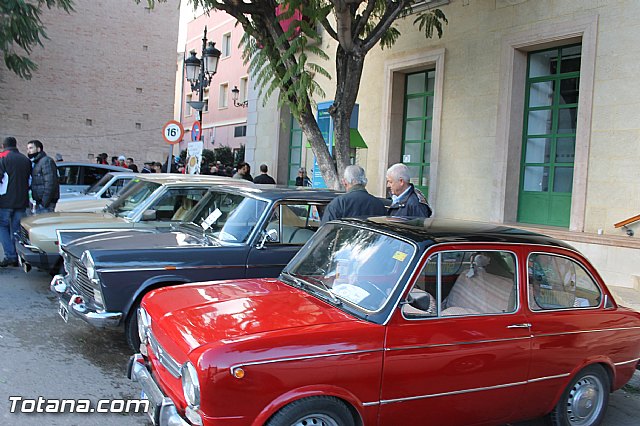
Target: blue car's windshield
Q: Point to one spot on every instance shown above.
(228, 217)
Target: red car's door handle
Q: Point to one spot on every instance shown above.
(523, 325)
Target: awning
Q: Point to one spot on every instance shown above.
(355, 140)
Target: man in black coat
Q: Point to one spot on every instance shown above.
(357, 201)
(263, 177)
(45, 187)
(15, 170)
(406, 200)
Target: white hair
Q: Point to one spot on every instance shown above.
(354, 175)
(399, 171)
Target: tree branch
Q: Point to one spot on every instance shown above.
(391, 13)
(360, 22)
(343, 24)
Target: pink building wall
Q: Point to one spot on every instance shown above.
(219, 122)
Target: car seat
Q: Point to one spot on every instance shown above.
(478, 292)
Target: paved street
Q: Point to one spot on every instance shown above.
(41, 356)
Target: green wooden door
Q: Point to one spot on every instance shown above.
(549, 135)
(417, 125)
(295, 151)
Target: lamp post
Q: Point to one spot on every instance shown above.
(201, 71)
(235, 93)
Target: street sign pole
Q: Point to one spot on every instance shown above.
(172, 132)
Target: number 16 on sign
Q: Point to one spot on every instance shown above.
(173, 132)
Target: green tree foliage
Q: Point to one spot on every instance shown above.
(224, 154)
(287, 60)
(21, 29)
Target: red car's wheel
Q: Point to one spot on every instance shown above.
(585, 400)
(314, 411)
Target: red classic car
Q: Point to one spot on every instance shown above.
(391, 321)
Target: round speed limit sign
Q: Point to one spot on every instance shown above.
(172, 132)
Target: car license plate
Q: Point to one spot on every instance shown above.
(63, 310)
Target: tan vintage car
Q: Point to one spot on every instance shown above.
(148, 202)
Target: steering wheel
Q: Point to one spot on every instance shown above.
(376, 294)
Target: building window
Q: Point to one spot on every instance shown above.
(138, 126)
(25, 116)
(224, 94)
(418, 125)
(240, 131)
(226, 45)
(188, 110)
(295, 151)
(205, 99)
(549, 136)
(244, 85)
(88, 122)
(138, 89)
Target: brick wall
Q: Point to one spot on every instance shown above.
(105, 82)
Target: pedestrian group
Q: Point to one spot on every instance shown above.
(31, 182)
(19, 175)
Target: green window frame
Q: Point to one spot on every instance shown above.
(295, 151)
(417, 126)
(549, 136)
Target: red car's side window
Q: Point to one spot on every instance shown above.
(557, 282)
(471, 283)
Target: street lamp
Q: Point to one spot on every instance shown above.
(235, 92)
(200, 71)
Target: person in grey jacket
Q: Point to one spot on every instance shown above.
(406, 200)
(45, 187)
(357, 201)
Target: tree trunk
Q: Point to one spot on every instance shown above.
(310, 128)
(349, 66)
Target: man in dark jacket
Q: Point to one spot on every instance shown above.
(244, 172)
(357, 201)
(15, 170)
(45, 188)
(263, 177)
(406, 200)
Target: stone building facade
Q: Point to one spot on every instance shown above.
(523, 113)
(105, 82)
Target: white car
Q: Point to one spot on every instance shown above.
(97, 196)
(75, 177)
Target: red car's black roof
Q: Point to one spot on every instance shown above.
(435, 231)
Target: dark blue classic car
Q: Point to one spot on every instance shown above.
(231, 233)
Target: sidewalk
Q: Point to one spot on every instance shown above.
(625, 296)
